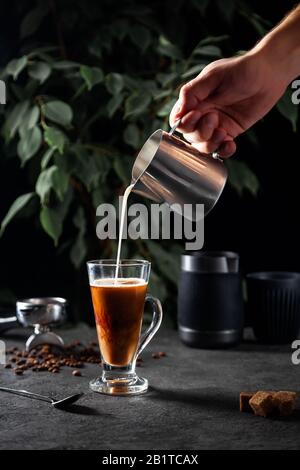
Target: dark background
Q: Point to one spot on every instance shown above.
(263, 229)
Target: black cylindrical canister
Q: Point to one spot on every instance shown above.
(210, 300)
(274, 306)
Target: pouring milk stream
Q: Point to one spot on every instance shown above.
(169, 169)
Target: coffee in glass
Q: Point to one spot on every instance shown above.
(118, 306)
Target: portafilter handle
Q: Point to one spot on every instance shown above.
(7, 323)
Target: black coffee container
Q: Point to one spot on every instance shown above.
(210, 300)
(274, 306)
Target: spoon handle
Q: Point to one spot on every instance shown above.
(25, 393)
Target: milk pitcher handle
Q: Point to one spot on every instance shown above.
(155, 324)
(214, 155)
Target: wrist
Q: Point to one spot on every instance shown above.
(280, 50)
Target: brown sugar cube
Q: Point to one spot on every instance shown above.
(285, 402)
(262, 403)
(245, 397)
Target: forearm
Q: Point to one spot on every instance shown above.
(281, 47)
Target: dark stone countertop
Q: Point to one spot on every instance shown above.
(193, 402)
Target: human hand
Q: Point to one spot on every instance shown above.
(225, 99)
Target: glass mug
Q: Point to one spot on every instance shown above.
(118, 303)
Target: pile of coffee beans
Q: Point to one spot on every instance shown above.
(47, 358)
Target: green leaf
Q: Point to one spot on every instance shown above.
(122, 166)
(32, 21)
(65, 65)
(213, 40)
(46, 158)
(166, 108)
(114, 104)
(140, 36)
(168, 49)
(14, 209)
(136, 104)
(132, 136)
(44, 183)
(55, 138)
(58, 112)
(52, 218)
(16, 66)
(32, 117)
(29, 143)
(208, 51)
(52, 178)
(241, 177)
(166, 79)
(114, 83)
(79, 249)
(14, 120)
(29, 120)
(52, 223)
(60, 182)
(162, 94)
(168, 262)
(193, 70)
(288, 109)
(91, 75)
(39, 71)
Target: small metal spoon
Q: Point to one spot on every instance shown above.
(62, 404)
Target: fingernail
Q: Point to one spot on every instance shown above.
(178, 108)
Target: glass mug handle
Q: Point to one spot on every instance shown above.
(155, 324)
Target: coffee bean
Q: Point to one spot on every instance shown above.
(162, 354)
(55, 371)
(20, 362)
(18, 371)
(13, 359)
(7, 366)
(155, 355)
(76, 373)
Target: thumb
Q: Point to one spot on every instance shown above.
(193, 92)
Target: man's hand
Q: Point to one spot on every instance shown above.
(226, 98)
(230, 95)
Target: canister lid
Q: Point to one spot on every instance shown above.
(210, 262)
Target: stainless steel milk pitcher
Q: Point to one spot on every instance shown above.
(169, 169)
